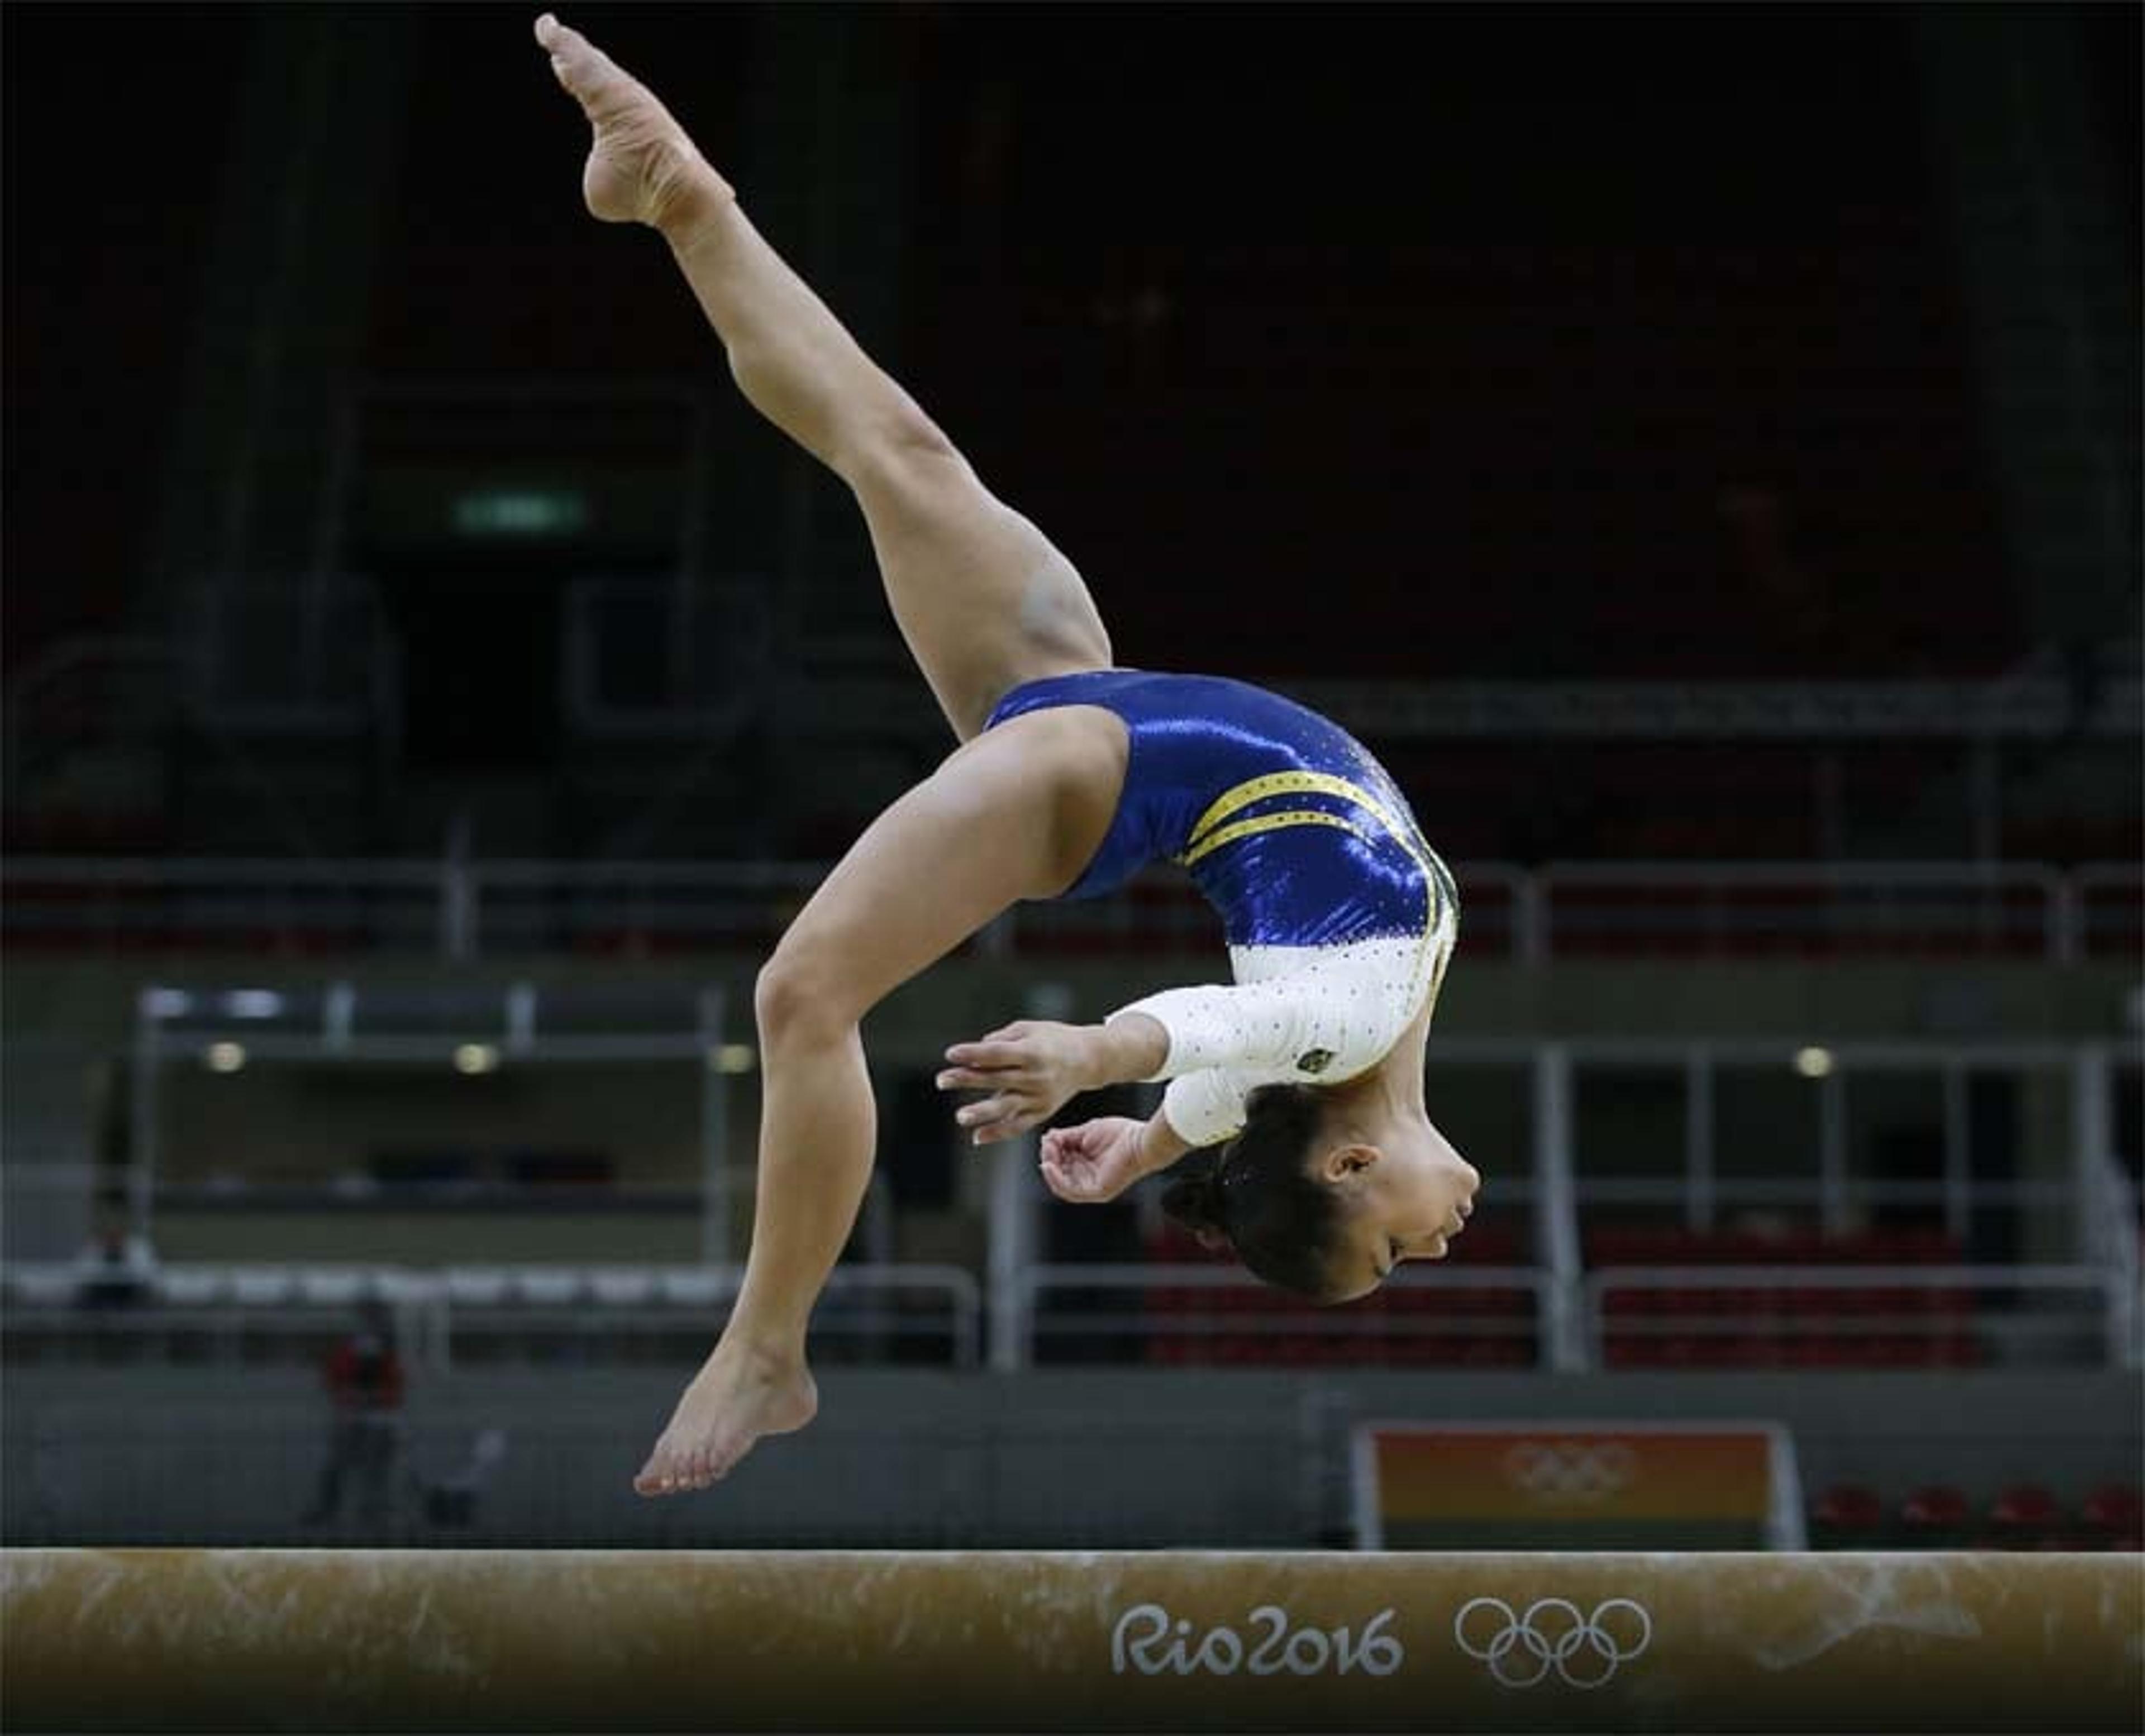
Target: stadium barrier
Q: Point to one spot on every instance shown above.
(461, 910)
(228, 1306)
(2074, 1314)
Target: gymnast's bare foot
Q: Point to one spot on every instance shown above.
(642, 167)
(739, 1396)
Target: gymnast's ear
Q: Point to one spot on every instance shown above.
(1194, 1202)
(1342, 1161)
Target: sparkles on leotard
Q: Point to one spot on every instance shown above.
(1340, 919)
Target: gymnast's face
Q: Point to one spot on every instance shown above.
(1404, 1197)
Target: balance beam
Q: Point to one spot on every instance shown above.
(619, 1640)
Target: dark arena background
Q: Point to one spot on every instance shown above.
(1696, 448)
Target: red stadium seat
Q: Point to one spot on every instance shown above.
(1847, 1515)
(2114, 1516)
(1937, 1516)
(2022, 1515)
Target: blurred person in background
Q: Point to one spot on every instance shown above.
(116, 1267)
(1305, 1074)
(363, 1376)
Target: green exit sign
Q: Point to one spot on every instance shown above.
(533, 513)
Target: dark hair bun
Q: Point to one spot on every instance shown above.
(1195, 1202)
(1261, 1198)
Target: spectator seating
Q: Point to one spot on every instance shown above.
(2113, 1517)
(1747, 1325)
(2023, 1515)
(1405, 1325)
(1847, 1515)
(1937, 1516)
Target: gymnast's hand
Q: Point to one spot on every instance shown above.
(1030, 1068)
(1096, 1161)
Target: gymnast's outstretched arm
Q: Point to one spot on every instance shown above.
(1028, 1070)
(1214, 1042)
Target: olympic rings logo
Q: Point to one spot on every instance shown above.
(1550, 1634)
(1571, 1470)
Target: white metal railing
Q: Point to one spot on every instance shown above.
(2027, 705)
(2103, 911)
(1038, 1323)
(1766, 1300)
(1833, 1182)
(523, 905)
(1810, 1191)
(234, 1303)
(459, 909)
(2107, 1199)
(232, 902)
(1955, 1306)
(1709, 905)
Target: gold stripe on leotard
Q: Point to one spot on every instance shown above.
(1439, 897)
(1270, 823)
(1291, 784)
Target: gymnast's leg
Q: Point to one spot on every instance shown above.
(981, 597)
(1011, 815)
(984, 602)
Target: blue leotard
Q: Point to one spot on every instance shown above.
(1295, 834)
(1339, 917)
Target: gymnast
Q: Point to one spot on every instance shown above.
(1071, 774)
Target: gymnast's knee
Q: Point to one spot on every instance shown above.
(896, 448)
(801, 1001)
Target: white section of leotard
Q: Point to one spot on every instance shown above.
(1295, 1015)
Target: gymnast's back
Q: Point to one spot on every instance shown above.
(1290, 828)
